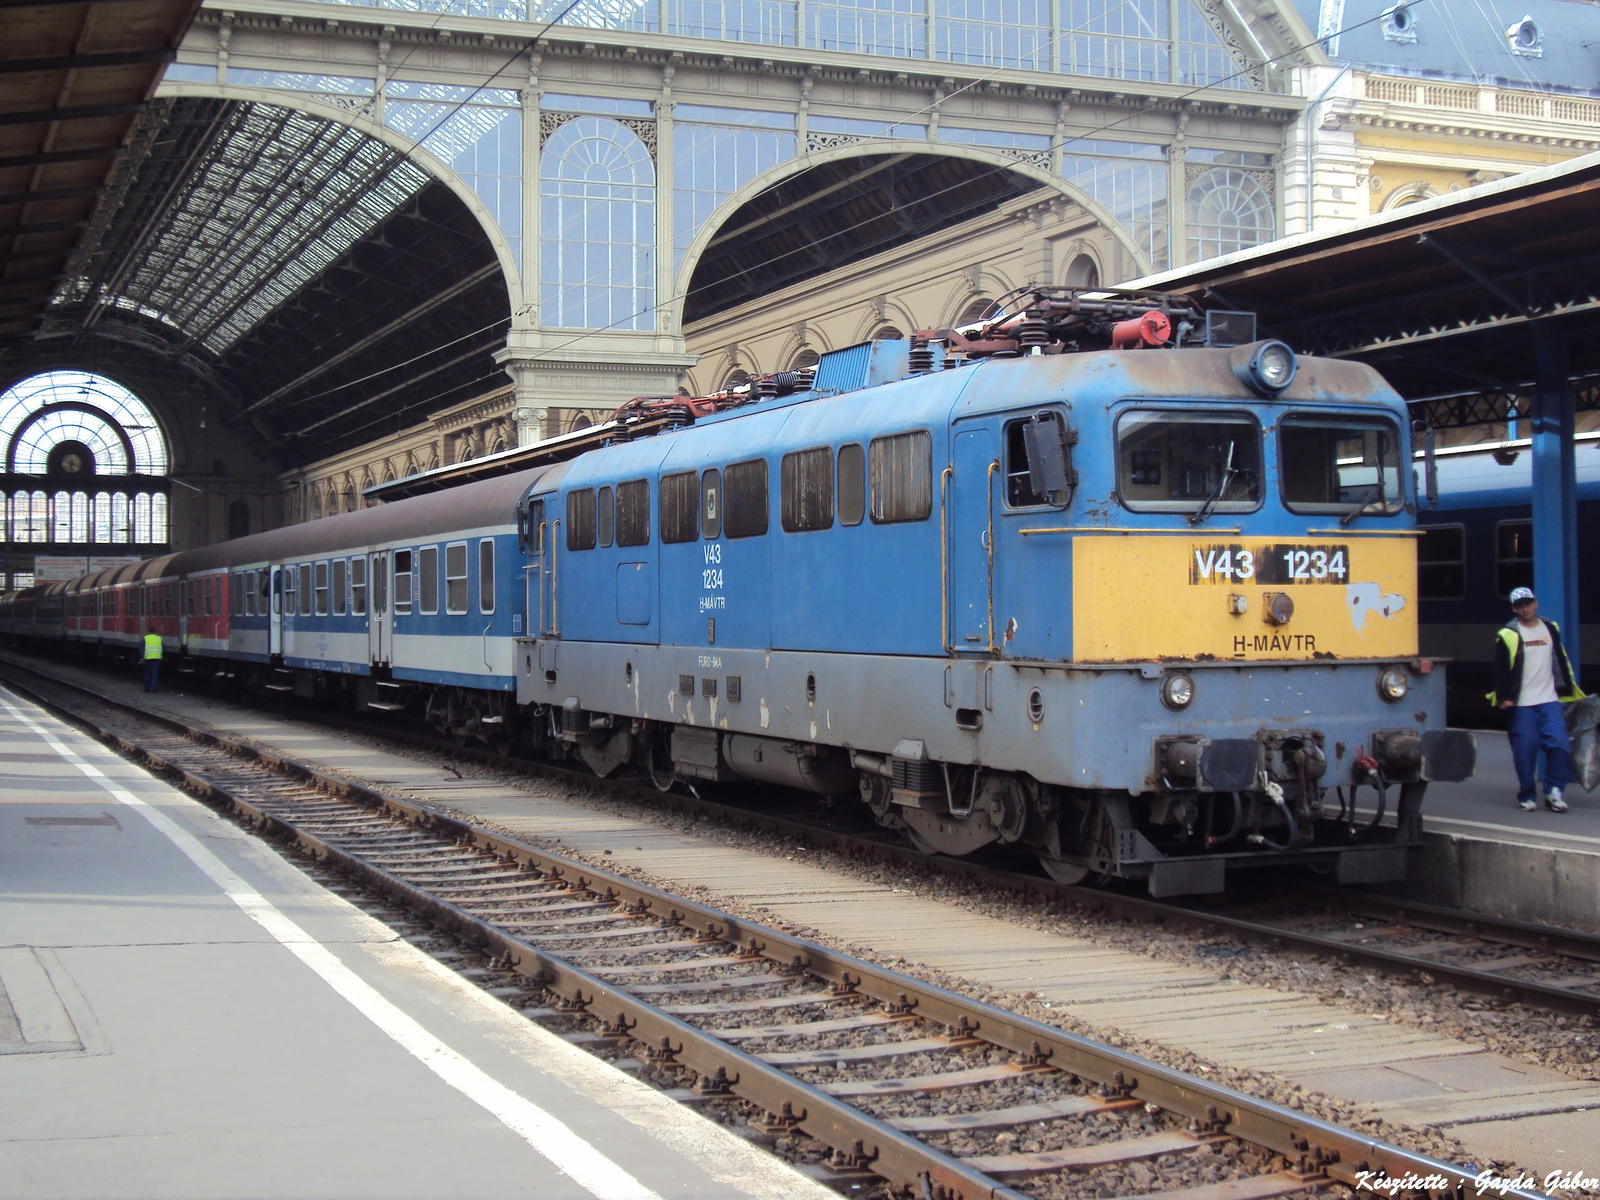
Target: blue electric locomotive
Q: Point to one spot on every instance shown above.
(1086, 579)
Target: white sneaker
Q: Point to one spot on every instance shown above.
(1527, 804)
(1554, 802)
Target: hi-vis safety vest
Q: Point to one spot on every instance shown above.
(1508, 642)
(152, 646)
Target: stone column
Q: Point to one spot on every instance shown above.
(665, 258)
(1177, 196)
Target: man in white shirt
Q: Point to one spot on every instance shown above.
(1532, 676)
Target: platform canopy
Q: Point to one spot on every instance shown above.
(74, 79)
(1469, 304)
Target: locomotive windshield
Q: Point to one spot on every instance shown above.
(1340, 465)
(1185, 462)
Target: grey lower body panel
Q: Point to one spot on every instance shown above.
(1080, 727)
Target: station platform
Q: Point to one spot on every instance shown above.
(1484, 853)
(1498, 1107)
(184, 1013)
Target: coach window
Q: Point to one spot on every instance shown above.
(1343, 465)
(322, 589)
(900, 470)
(1513, 556)
(341, 579)
(358, 586)
(428, 580)
(852, 484)
(711, 503)
(633, 513)
(1188, 461)
(745, 492)
(805, 479)
(680, 507)
(455, 578)
(187, 596)
(207, 602)
(402, 581)
(486, 575)
(303, 588)
(580, 520)
(1441, 562)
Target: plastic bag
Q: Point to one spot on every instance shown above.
(1583, 728)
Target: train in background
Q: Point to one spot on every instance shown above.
(1477, 545)
(1100, 578)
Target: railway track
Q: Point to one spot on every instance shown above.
(1503, 960)
(926, 1091)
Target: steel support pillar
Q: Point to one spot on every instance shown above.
(1555, 486)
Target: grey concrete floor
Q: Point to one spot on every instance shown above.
(155, 1040)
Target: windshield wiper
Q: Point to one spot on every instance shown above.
(1373, 493)
(1204, 511)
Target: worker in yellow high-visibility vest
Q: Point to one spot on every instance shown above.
(152, 661)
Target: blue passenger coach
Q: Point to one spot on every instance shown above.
(1477, 545)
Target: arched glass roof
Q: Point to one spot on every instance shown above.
(46, 410)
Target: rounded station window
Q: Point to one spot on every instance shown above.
(87, 460)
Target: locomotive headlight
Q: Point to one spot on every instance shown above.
(1393, 685)
(1267, 367)
(1177, 690)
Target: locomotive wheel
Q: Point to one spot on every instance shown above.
(1070, 874)
(663, 777)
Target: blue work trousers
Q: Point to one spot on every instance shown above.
(1536, 727)
(152, 674)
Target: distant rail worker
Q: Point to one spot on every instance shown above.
(1532, 677)
(152, 661)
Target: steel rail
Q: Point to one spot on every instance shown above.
(1175, 916)
(1319, 1148)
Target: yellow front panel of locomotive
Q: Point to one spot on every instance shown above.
(1141, 598)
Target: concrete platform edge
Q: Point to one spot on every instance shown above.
(1554, 885)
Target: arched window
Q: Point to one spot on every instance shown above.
(805, 358)
(92, 445)
(238, 519)
(1229, 211)
(597, 262)
(973, 312)
(736, 378)
(101, 520)
(581, 421)
(47, 418)
(1083, 272)
(887, 333)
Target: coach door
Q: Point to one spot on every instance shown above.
(537, 594)
(275, 613)
(380, 620)
(969, 513)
